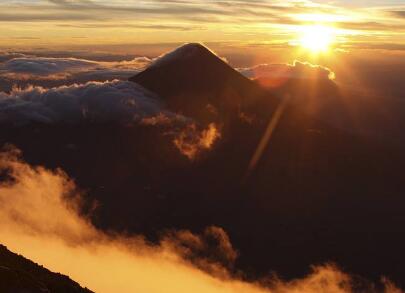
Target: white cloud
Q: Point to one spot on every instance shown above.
(301, 70)
(119, 101)
(4, 56)
(46, 68)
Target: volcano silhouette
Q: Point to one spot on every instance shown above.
(196, 82)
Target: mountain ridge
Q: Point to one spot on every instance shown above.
(18, 274)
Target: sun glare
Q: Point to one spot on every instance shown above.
(316, 38)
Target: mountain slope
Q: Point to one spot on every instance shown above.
(196, 82)
(20, 275)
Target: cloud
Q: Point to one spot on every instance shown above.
(116, 101)
(120, 102)
(398, 13)
(191, 141)
(297, 70)
(40, 218)
(97, 10)
(45, 66)
(5, 56)
(376, 46)
(52, 68)
(161, 18)
(213, 11)
(136, 63)
(59, 197)
(371, 26)
(212, 251)
(134, 26)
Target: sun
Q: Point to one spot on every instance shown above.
(316, 38)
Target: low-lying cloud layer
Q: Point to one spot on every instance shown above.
(40, 218)
(46, 66)
(116, 101)
(5, 56)
(23, 67)
(297, 70)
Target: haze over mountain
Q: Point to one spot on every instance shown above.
(171, 150)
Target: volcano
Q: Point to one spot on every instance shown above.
(196, 82)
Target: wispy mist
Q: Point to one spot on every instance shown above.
(40, 218)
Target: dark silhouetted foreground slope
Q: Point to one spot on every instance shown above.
(20, 275)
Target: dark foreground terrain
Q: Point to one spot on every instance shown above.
(20, 275)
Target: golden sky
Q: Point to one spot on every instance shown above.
(27, 23)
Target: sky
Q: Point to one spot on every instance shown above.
(35, 23)
(65, 61)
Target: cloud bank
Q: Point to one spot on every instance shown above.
(119, 102)
(46, 66)
(297, 70)
(58, 68)
(40, 218)
(5, 56)
(116, 101)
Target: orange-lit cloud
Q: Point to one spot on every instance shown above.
(40, 218)
(278, 74)
(190, 142)
(146, 21)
